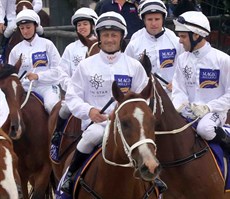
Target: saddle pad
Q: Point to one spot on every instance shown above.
(62, 195)
(219, 156)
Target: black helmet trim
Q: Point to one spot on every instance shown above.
(110, 18)
(181, 20)
(75, 21)
(153, 10)
(25, 22)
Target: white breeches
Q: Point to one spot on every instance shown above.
(207, 124)
(64, 111)
(91, 137)
(51, 96)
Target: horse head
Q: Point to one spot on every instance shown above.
(91, 43)
(23, 4)
(146, 63)
(11, 86)
(132, 126)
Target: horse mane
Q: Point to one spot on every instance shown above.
(6, 70)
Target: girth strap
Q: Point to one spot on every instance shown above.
(185, 160)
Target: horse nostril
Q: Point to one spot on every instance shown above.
(12, 133)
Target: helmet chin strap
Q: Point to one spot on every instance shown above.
(193, 42)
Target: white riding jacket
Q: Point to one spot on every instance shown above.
(91, 84)
(39, 56)
(8, 10)
(161, 51)
(203, 77)
(72, 55)
(4, 108)
(37, 5)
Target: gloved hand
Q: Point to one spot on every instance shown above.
(187, 112)
(200, 110)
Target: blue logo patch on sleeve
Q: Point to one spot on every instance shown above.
(167, 57)
(124, 82)
(209, 78)
(39, 59)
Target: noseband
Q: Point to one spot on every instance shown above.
(117, 127)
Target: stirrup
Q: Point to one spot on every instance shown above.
(162, 187)
(56, 138)
(67, 185)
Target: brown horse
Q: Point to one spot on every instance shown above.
(16, 36)
(127, 165)
(10, 183)
(189, 168)
(28, 127)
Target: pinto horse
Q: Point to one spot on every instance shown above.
(189, 166)
(28, 128)
(127, 164)
(10, 183)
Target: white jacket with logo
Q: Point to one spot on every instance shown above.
(72, 55)
(161, 51)
(91, 84)
(203, 77)
(39, 56)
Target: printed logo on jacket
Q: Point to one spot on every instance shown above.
(209, 78)
(167, 57)
(39, 59)
(124, 82)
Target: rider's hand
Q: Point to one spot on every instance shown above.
(200, 110)
(2, 28)
(96, 116)
(32, 76)
(187, 112)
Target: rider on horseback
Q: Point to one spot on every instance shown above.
(201, 86)
(90, 87)
(8, 12)
(84, 20)
(40, 59)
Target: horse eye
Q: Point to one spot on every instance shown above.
(125, 124)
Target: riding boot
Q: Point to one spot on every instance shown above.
(3, 44)
(162, 187)
(76, 163)
(222, 138)
(55, 140)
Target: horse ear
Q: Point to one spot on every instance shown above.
(147, 92)
(117, 94)
(18, 63)
(146, 63)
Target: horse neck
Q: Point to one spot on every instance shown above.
(166, 119)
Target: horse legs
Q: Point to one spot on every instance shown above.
(41, 182)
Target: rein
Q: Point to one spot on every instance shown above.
(175, 131)
(24, 1)
(117, 127)
(91, 48)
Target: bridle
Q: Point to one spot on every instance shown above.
(117, 127)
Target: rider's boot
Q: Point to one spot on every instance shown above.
(76, 163)
(222, 138)
(3, 43)
(55, 140)
(162, 187)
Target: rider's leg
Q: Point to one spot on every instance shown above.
(91, 137)
(63, 115)
(209, 129)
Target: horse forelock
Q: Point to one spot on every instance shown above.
(7, 70)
